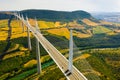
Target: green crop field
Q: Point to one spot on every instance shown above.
(100, 30)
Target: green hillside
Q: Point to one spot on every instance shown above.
(50, 15)
(101, 30)
(56, 15)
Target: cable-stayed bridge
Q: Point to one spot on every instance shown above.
(66, 66)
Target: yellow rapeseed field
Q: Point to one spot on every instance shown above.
(84, 56)
(65, 32)
(44, 24)
(48, 24)
(13, 55)
(3, 29)
(30, 63)
(81, 35)
(90, 23)
(60, 32)
(75, 24)
(16, 29)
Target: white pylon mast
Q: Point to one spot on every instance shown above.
(28, 33)
(70, 51)
(38, 51)
(29, 41)
(22, 24)
(19, 17)
(15, 13)
(37, 25)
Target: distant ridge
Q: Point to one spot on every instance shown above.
(4, 16)
(52, 15)
(56, 15)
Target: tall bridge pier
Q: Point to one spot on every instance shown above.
(29, 41)
(70, 51)
(38, 50)
(23, 30)
(38, 57)
(28, 34)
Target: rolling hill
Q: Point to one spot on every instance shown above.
(50, 15)
(56, 15)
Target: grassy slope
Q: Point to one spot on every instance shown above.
(101, 30)
(89, 22)
(99, 64)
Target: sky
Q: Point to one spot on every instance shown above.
(62, 5)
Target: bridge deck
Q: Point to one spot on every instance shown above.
(58, 58)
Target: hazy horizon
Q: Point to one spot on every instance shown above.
(62, 5)
(63, 10)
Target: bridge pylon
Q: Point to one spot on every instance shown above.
(29, 40)
(39, 68)
(15, 13)
(70, 51)
(28, 34)
(22, 25)
(38, 51)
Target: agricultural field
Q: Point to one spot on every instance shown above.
(89, 22)
(21, 63)
(48, 24)
(101, 30)
(3, 29)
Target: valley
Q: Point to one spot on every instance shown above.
(96, 48)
